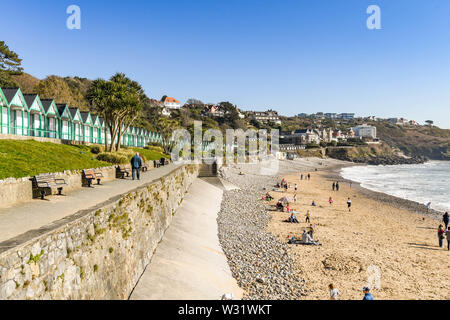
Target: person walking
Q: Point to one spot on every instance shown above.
(337, 185)
(295, 198)
(367, 294)
(309, 176)
(136, 165)
(308, 216)
(445, 219)
(301, 177)
(447, 233)
(333, 187)
(428, 206)
(334, 293)
(296, 187)
(349, 204)
(330, 200)
(441, 235)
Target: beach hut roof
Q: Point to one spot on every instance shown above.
(14, 97)
(75, 114)
(49, 107)
(34, 102)
(63, 111)
(86, 117)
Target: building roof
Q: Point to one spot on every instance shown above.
(46, 103)
(10, 93)
(172, 100)
(29, 98)
(85, 116)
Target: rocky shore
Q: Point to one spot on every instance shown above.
(384, 160)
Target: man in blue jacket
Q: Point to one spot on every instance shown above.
(136, 164)
(367, 294)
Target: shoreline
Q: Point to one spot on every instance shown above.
(399, 203)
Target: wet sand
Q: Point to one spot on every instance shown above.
(381, 233)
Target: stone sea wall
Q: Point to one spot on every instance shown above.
(98, 253)
(13, 191)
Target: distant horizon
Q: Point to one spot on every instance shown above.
(291, 56)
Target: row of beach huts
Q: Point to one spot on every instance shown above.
(28, 115)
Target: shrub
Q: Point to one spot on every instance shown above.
(112, 158)
(96, 150)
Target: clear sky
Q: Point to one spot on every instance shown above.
(294, 56)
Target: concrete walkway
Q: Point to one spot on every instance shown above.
(189, 263)
(36, 214)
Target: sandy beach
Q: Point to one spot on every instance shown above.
(401, 244)
(381, 233)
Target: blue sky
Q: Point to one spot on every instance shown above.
(294, 56)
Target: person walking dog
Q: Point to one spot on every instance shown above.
(136, 165)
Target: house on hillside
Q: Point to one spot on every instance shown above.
(171, 103)
(365, 131)
(266, 116)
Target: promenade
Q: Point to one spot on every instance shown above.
(19, 223)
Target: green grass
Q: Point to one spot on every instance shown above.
(28, 158)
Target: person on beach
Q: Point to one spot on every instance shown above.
(428, 206)
(330, 200)
(349, 205)
(441, 233)
(296, 187)
(314, 203)
(295, 198)
(350, 184)
(445, 219)
(301, 177)
(309, 176)
(337, 186)
(447, 233)
(311, 230)
(308, 216)
(333, 186)
(307, 239)
(293, 218)
(367, 294)
(288, 208)
(334, 293)
(136, 165)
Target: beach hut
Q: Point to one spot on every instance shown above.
(4, 113)
(88, 126)
(35, 115)
(97, 127)
(51, 118)
(77, 125)
(102, 131)
(18, 111)
(65, 122)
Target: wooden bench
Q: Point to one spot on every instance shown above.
(48, 182)
(89, 175)
(121, 171)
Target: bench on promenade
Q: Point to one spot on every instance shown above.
(48, 182)
(122, 172)
(89, 175)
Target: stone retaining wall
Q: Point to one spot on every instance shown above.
(99, 253)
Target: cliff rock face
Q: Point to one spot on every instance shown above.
(380, 154)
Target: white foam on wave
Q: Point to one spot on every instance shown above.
(420, 183)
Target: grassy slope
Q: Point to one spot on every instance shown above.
(27, 158)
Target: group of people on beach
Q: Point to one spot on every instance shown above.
(334, 293)
(335, 186)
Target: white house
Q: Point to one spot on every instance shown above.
(171, 103)
(364, 131)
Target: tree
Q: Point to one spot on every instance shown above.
(429, 122)
(119, 102)
(163, 98)
(195, 102)
(10, 64)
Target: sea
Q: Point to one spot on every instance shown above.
(422, 183)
